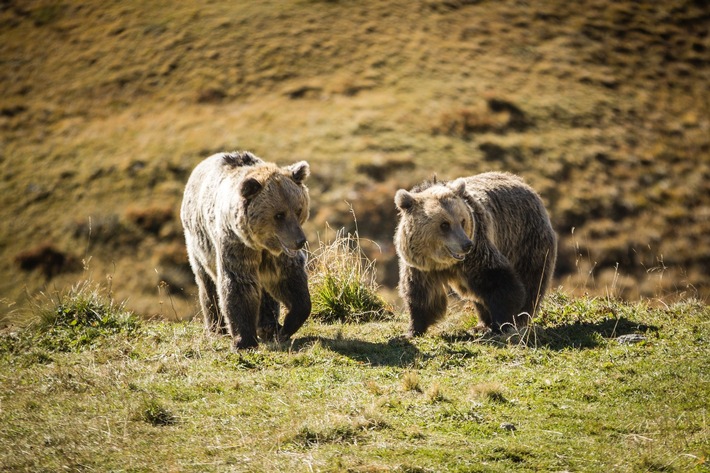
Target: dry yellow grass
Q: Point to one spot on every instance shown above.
(106, 107)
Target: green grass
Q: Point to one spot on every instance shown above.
(343, 282)
(76, 319)
(567, 395)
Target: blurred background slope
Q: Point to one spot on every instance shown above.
(105, 108)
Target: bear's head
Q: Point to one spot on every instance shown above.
(275, 205)
(435, 226)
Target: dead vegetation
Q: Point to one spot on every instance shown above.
(105, 109)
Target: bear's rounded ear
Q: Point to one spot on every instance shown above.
(250, 187)
(299, 171)
(404, 200)
(459, 187)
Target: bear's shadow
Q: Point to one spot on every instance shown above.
(401, 352)
(578, 335)
(395, 352)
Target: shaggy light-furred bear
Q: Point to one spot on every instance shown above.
(488, 237)
(243, 222)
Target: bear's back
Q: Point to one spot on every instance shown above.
(221, 164)
(506, 195)
(515, 214)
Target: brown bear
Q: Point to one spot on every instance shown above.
(487, 236)
(242, 219)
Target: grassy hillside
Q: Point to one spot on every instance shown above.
(105, 107)
(598, 385)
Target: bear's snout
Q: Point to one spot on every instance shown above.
(459, 245)
(301, 242)
(291, 237)
(462, 241)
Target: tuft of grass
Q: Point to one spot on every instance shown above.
(341, 430)
(411, 382)
(77, 319)
(343, 282)
(434, 394)
(155, 413)
(490, 391)
(309, 436)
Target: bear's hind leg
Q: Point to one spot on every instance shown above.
(502, 297)
(209, 301)
(540, 271)
(484, 316)
(268, 317)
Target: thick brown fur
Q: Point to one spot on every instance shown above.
(242, 219)
(488, 237)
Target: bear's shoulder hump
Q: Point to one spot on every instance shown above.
(240, 159)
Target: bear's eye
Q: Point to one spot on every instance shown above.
(445, 226)
(280, 216)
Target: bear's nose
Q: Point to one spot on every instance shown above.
(300, 243)
(466, 247)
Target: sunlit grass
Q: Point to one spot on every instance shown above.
(343, 282)
(358, 396)
(76, 318)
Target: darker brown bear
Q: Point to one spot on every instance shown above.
(242, 219)
(487, 236)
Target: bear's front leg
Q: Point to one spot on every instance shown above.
(424, 296)
(240, 299)
(268, 317)
(292, 291)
